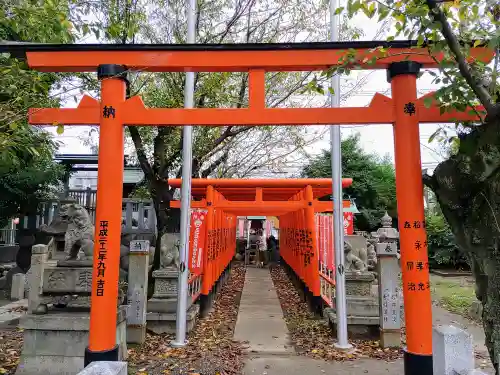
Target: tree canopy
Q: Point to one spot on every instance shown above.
(27, 171)
(373, 188)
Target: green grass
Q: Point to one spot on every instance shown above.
(454, 294)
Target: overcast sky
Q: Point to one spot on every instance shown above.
(374, 138)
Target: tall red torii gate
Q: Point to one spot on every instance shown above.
(402, 60)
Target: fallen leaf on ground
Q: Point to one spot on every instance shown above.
(312, 336)
(11, 344)
(210, 348)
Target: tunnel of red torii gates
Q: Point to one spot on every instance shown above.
(305, 236)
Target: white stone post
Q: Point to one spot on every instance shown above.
(105, 368)
(453, 351)
(137, 291)
(39, 257)
(17, 289)
(388, 291)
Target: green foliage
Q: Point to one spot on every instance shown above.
(373, 187)
(443, 250)
(27, 172)
(36, 21)
(141, 191)
(448, 28)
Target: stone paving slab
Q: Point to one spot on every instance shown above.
(12, 312)
(260, 318)
(295, 365)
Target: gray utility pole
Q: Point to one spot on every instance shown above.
(187, 160)
(338, 216)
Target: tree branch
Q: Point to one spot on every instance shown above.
(141, 154)
(159, 151)
(215, 164)
(429, 181)
(484, 97)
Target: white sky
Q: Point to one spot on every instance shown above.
(374, 138)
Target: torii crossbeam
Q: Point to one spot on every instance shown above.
(403, 61)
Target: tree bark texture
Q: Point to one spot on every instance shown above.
(467, 187)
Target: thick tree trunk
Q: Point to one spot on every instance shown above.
(467, 187)
(167, 218)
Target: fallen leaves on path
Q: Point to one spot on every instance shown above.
(210, 350)
(11, 344)
(311, 335)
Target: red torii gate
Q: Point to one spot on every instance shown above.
(276, 197)
(403, 61)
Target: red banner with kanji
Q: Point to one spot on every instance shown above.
(348, 223)
(197, 237)
(324, 236)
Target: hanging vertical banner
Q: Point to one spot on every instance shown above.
(197, 240)
(348, 223)
(241, 228)
(318, 221)
(324, 237)
(330, 264)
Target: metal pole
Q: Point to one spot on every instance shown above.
(338, 217)
(187, 159)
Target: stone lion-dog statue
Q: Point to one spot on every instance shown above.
(79, 237)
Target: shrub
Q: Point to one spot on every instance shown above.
(443, 251)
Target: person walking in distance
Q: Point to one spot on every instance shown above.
(262, 246)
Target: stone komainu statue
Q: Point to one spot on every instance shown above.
(356, 259)
(78, 239)
(170, 246)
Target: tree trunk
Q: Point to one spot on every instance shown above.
(167, 218)
(467, 187)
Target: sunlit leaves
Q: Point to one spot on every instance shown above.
(473, 22)
(60, 129)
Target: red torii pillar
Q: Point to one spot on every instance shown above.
(104, 295)
(413, 238)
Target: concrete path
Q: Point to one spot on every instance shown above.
(295, 365)
(261, 324)
(260, 319)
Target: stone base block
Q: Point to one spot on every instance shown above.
(165, 305)
(165, 322)
(17, 289)
(358, 327)
(362, 306)
(105, 368)
(55, 343)
(390, 338)
(358, 283)
(136, 334)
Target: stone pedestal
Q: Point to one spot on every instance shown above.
(137, 291)
(55, 343)
(358, 283)
(162, 307)
(453, 351)
(389, 290)
(17, 290)
(362, 307)
(389, 295)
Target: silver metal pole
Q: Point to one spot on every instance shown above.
(338, 217)
(187, 160)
